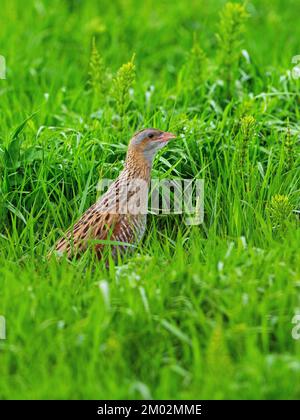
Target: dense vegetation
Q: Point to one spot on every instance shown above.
(199, 311)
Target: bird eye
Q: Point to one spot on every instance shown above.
(151, 136)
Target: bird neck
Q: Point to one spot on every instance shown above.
(136, 165)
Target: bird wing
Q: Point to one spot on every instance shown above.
(104, 220)
(94, 226)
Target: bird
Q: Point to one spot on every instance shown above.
(118, 218)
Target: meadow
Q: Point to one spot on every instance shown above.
(198, 312)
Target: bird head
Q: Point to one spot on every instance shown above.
(148, 141)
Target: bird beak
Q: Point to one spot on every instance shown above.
(166, 136)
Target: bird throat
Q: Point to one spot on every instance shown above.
(137, 165)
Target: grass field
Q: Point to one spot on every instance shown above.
(199, 311)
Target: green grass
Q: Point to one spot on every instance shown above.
(200, 311)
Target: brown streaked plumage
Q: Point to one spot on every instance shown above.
(121, 213)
